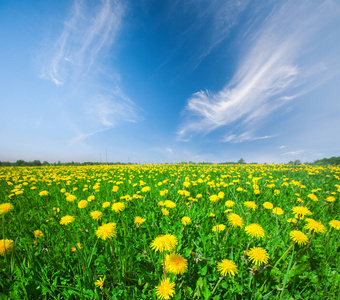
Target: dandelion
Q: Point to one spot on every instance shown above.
(335, 224)
(330, 199)
(96, 215)
(43, 193)
(165, 290)
(313, 197)
(229, 203)
(91, 198)
(254, 230)
(5, 208)
(235, 220)
(175, 263)
(220, 195)
(169, 204)
(118, 206)
(185, 221)
(106, 231)
(268, 205)
(212, 215)
(106, 204)
(227, 267)
(146, 189)
(6, 246)
(38, 234)
(250, 204)
(165, 212)
(66, 220)
(139, 220)
(160, 203)
(258, 256)
(100, 282)
(164, 242)
(228, 210)
(82, 203)
(214, 198)
(291, 220)
(74, 249)
(71, 198)
(218, 228)
(277, 211)
(298, 237)
(315, 226)
(301, 211)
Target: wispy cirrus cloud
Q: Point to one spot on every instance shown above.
(87, 32)
(80, 64)
(281, 61)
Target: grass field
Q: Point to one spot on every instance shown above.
(170, 231)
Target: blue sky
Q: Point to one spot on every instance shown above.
(169, 81)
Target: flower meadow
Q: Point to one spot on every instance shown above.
(172, 231)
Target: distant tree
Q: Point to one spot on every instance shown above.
(241, 161)
(297, 162)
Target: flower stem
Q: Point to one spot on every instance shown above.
(113, 254)
(227, 232)
(216, 285)
(164, 265)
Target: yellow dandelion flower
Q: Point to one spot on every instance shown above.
(268, 205)
(71, 198)
(301, 211)
(258, 256)
(235, 220)
(74, 249)
(82, 203)
(330, 199)
(96, 215)
(229, 203)
(335, 224)
(277, 211)
(313, 197)
(315, 225)
(43, 193)
(106, 231)
(291, 220)
(66, 220)
(165, 290)
(38, 234)
(169, 204)
(5, 208)
(160, 203)
(298, 237)
(228, 210)
(214, 198)
(250, 204)
(227, 267)
(165, 212)
(218, 228)
(106, 204)
(100, 282)
(254, 230)
(146, 189)
(91, 198)
(212, 215)
(139, 220)
(6, 245)
(115, 189)
(175, 263)
(118, 206)
(164, 242)
(186, 220)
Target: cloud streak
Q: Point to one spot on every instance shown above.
(87, 32)
(273, 68)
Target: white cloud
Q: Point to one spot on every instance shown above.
(87, 32)
(294, 153)
(282, 147)
(246, 136)
(273, 70)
